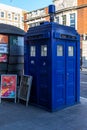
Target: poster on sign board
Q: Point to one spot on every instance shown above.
(8, 86)
(3, 48)
(25, 87)
(3, 57)
(3, 44)
(3, 39)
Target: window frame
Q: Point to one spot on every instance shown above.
(64, 19)
(2, 14)
(43, 51)
(58, 51)
(70, 51)
(10, 17)
(72, 20)
(32, 51)
(16, 17)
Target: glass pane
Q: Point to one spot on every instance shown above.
(70, 51)
(59, 50)
(44, 50)
(20, 41)
(32, 51)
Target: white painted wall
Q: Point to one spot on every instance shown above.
(61, 4)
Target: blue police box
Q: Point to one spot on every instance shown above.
(52, 57)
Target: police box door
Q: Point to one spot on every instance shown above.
(70, 72)
(66, 71)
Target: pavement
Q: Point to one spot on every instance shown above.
(16, 116)
(19, 117)
(83, 84)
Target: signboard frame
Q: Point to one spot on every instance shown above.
(25, 88)
(10, 82)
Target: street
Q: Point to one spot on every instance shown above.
(83, 84)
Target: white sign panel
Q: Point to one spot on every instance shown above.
(3, 48)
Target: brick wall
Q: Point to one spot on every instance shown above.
(81, 2)
(47, 17)
(25, 24)
(3, 39)
(82, 17)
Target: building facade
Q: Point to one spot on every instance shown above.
(12, 16)
(35, 17)
(66, 12)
